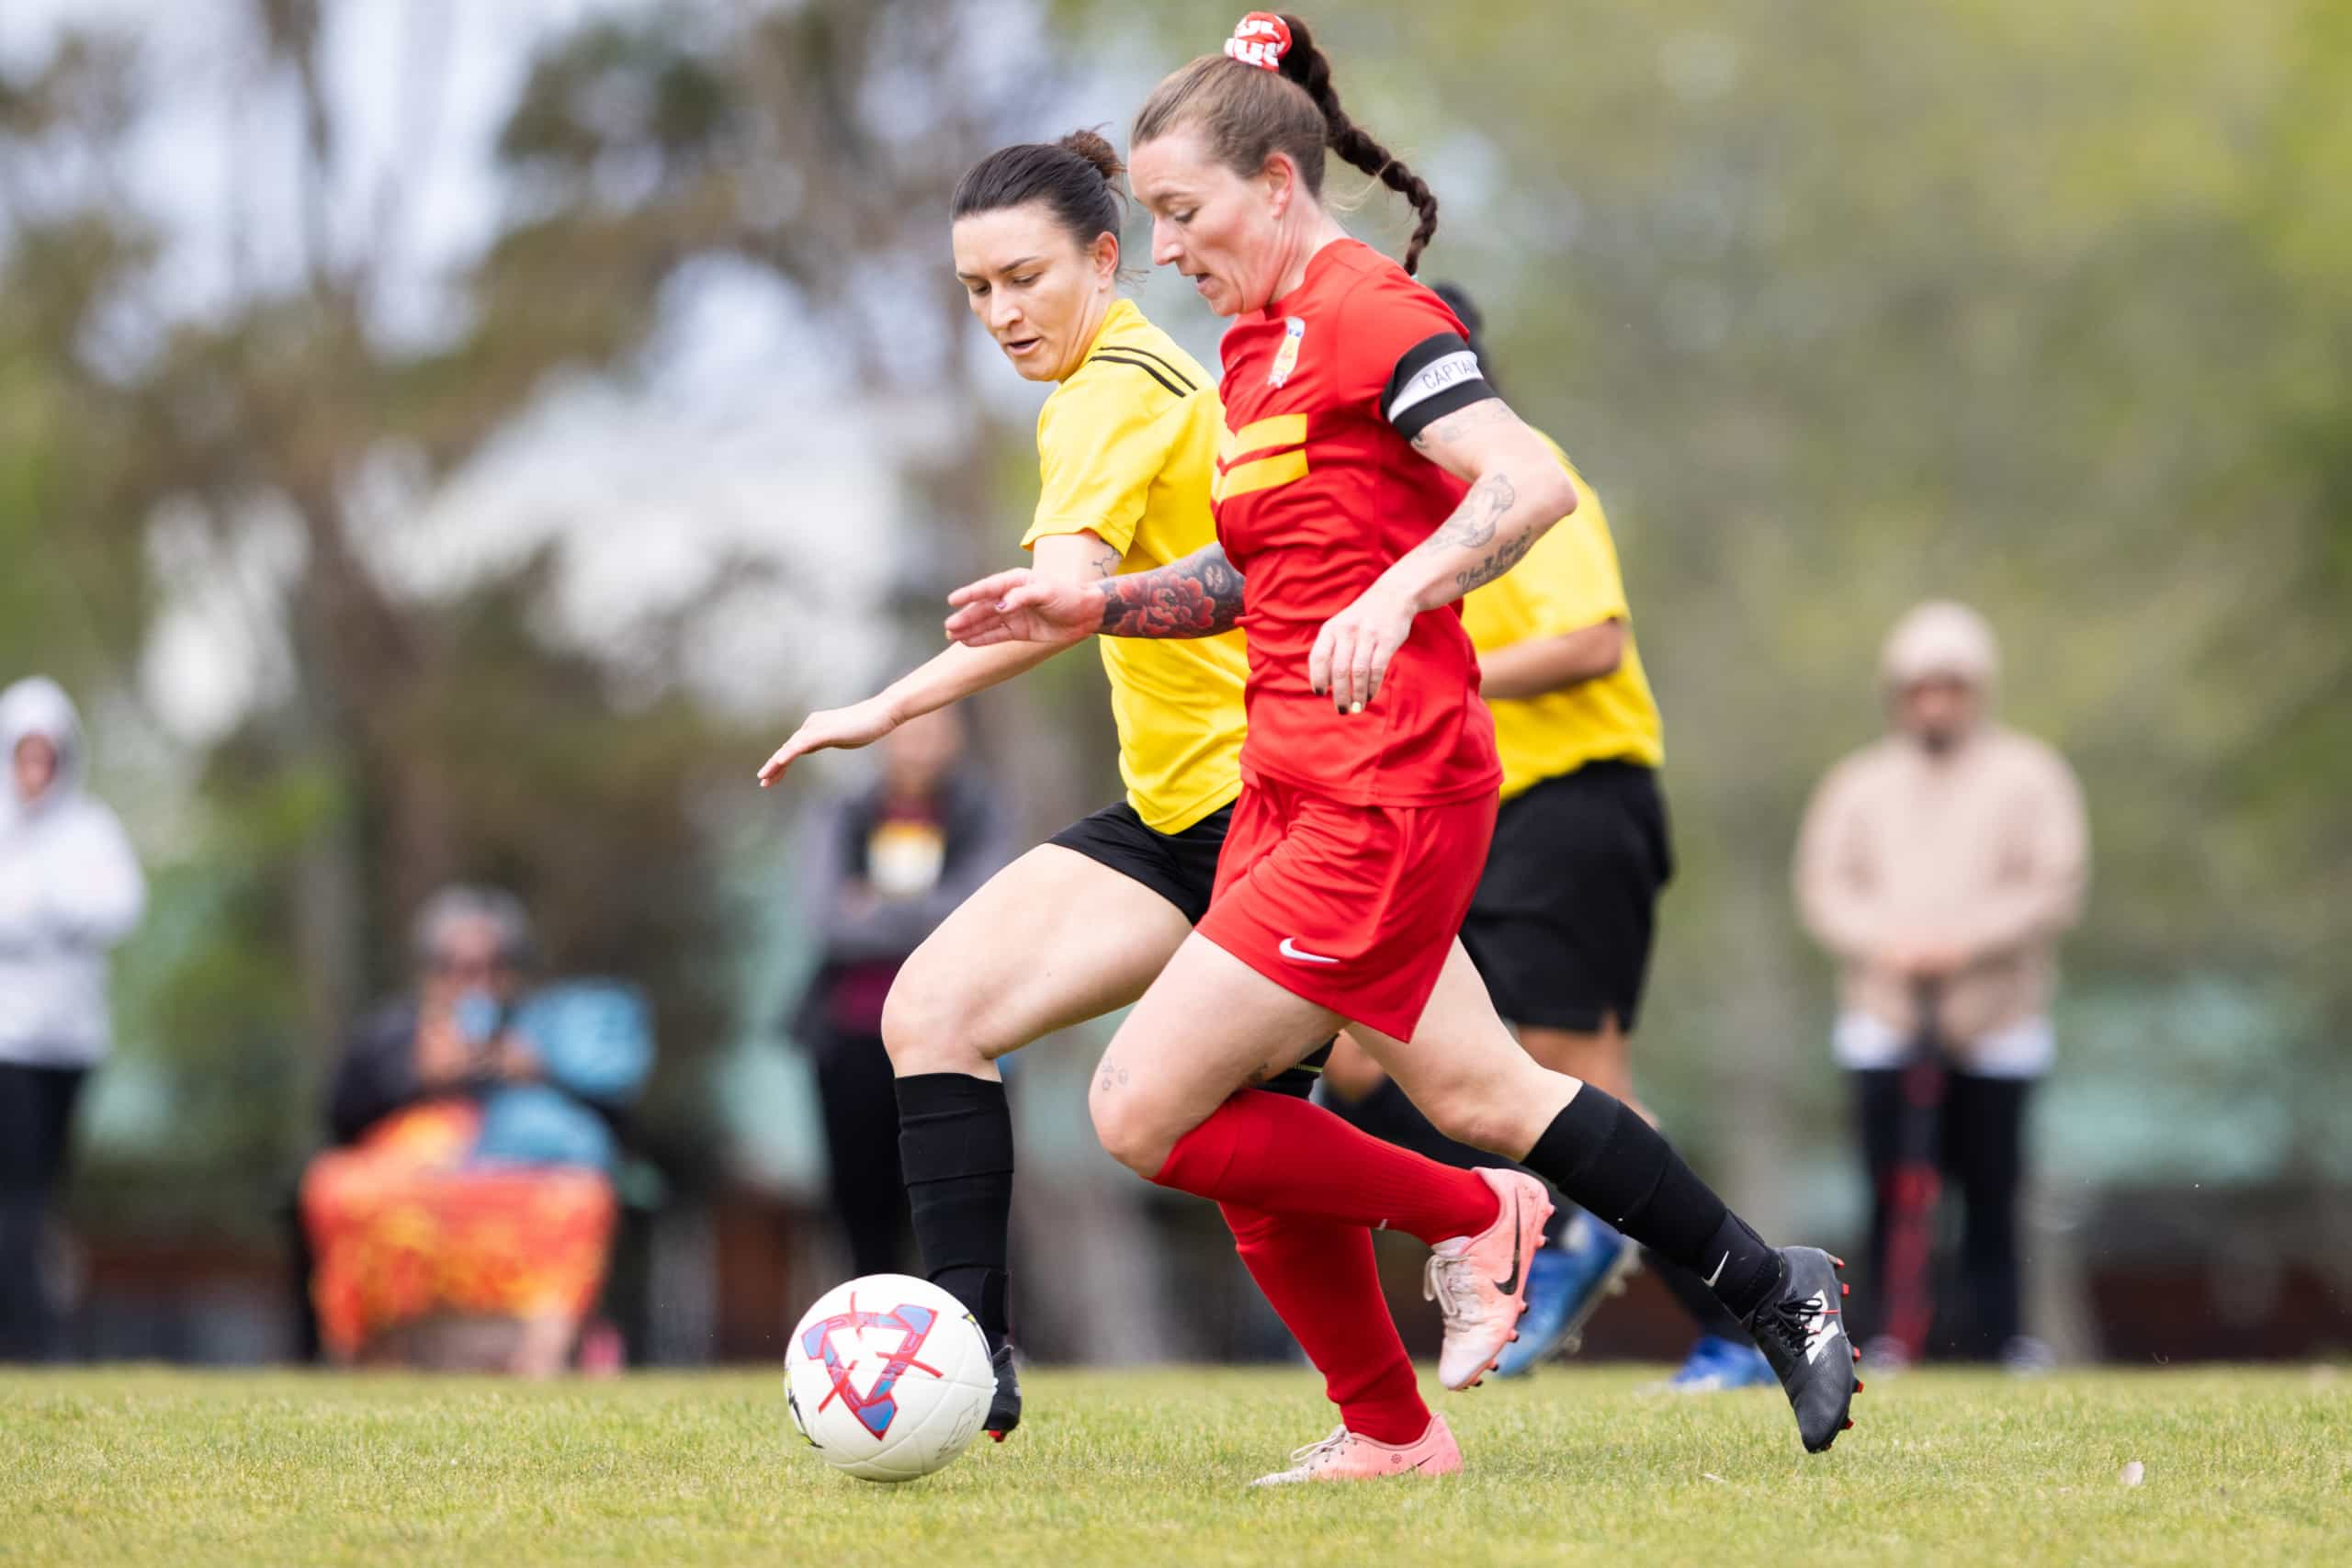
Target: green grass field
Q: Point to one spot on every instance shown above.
(1136, 1469)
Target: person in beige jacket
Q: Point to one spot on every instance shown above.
(1944, 862)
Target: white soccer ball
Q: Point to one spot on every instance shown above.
(889, 1377)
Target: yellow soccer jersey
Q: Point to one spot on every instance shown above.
(1126, 447)
(1568, 581)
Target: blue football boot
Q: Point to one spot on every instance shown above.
(1565, 1285)
(1717, 1363)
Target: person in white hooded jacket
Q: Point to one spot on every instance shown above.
(70, 890)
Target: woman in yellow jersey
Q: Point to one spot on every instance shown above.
(1564, 917)
(1126, 447)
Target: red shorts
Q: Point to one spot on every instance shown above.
(1353, 906)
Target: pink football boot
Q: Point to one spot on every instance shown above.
(1479, 1283)
(1344, 1456)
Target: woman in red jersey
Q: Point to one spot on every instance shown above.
(1367, 479)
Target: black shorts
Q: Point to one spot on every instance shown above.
(1180, 867)
(1565, 916)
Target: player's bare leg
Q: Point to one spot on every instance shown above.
(1051, 940)
(1600, 1057)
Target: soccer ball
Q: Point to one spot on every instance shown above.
(889, 1377)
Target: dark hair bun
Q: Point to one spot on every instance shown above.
(1090, 146)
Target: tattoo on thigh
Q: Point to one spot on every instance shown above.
(1112, 1078)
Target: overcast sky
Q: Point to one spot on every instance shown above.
(648, 487)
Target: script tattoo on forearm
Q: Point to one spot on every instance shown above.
(1475, 527)
(1198, 596)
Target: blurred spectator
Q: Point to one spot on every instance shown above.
(472, 948)
(879, 869)
(1940, 866)
(469, 1212)
(70, 890)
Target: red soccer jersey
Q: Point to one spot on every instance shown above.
(1318, 494)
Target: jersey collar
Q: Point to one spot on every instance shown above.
(1122, 315)
(1276, 310)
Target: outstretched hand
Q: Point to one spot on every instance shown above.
(861, 724)
(1021, 606)
(1352, 651)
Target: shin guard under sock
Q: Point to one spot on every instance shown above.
(955, 1148)
(1283, 1155)
(1697, 1301)
(1324, 1283)
(1599, 1154)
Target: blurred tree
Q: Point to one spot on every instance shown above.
(428, 735)
(422, 737)
(820, 143)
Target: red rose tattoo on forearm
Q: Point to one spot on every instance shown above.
(1198, 596)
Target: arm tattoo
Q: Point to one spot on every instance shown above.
(1198, 596)
(1474, 526)
(1493, 565)
(1103, 561)
(1452, 427)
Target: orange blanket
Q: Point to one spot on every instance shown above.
(402, 1229)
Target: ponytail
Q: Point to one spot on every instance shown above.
(1311, 69)
(1270, 91)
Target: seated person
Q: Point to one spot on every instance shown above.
(467, 1209)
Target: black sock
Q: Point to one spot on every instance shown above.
(1599, 1153)
(1698, 1302)
(955, 1148)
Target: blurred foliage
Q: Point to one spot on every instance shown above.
(1839, 305)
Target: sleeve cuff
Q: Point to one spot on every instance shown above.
(1047, 527)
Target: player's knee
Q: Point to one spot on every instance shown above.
(927, 1030)
(1129, 1133)
(1483, 1116)
(1492, 1128)
(1600, 1059)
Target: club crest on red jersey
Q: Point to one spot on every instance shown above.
(1286, 357)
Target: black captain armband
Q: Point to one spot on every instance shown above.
(1437, 376)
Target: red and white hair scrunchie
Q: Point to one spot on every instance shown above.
(1259, 39)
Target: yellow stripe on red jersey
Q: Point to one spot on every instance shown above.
(1320, 493)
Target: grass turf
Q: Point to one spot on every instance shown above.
(1138, 1469)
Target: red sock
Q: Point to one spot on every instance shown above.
(1325, 1284)
(1283, 1155)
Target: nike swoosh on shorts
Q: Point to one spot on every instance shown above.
(1298, 954)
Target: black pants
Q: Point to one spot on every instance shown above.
(861, 1107)
(36, 1125)
(1984, 1159)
